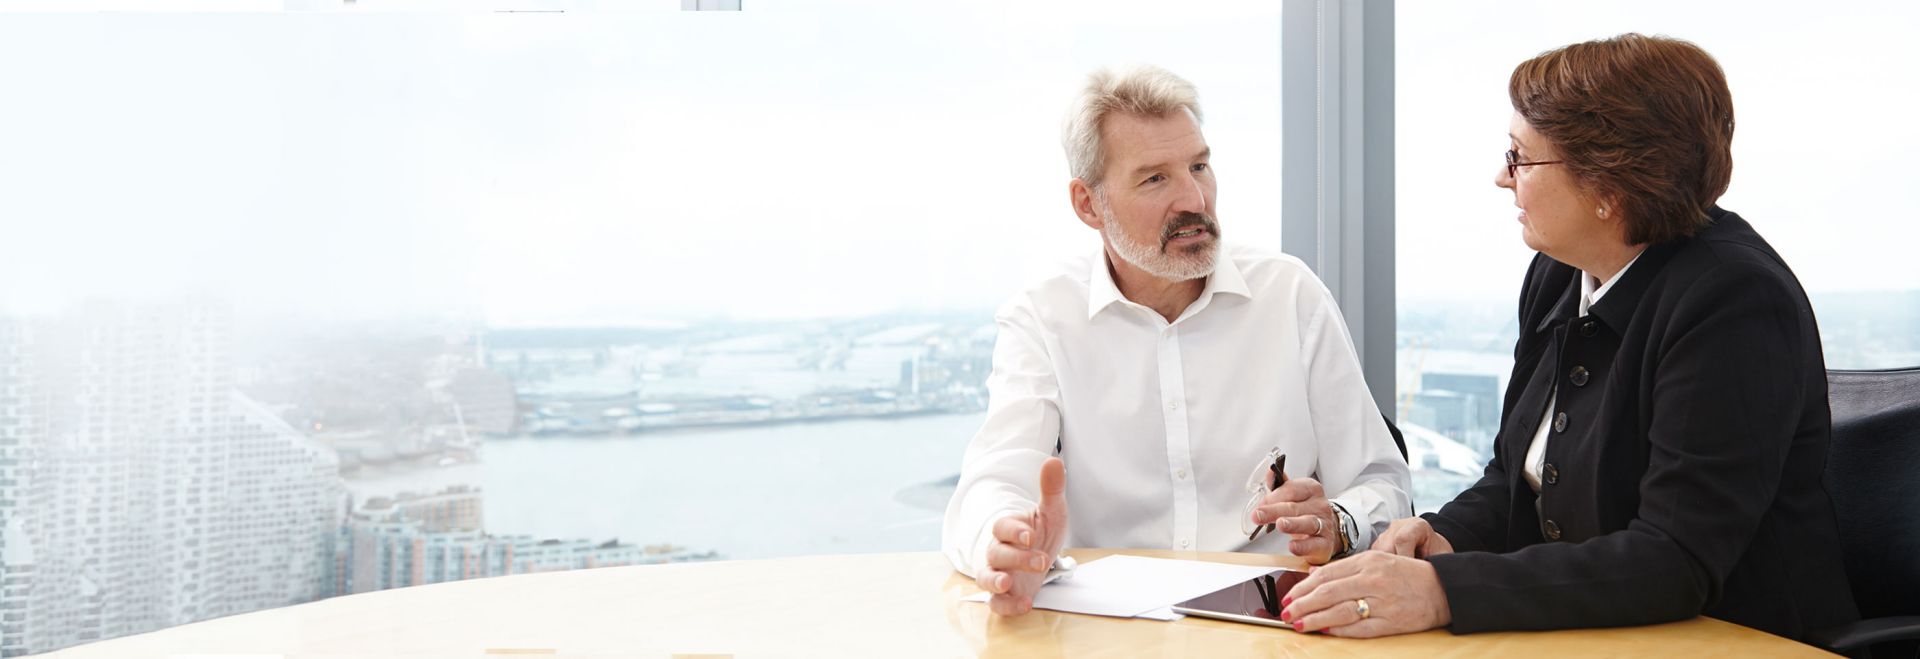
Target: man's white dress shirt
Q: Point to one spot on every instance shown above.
(1161, 423)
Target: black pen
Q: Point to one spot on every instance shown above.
(1279, 477)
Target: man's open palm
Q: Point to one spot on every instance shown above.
(1025, 545)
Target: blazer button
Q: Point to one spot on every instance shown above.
(1579, 376)
(1552, 529)
(1560, 422)
(1552, 474)
(1589, 328)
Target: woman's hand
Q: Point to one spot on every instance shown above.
(1412, 537)
(1370, 594)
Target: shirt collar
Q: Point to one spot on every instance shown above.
(1103, 292)
(1626, 289)
(1623, 293)
(1101, 289)
(1590, 293)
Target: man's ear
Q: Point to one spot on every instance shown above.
(1081, 196)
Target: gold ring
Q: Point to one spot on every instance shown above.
(1318, 525)
(1361, 606)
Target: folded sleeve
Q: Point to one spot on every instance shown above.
(1000, 472)
(1360, 467)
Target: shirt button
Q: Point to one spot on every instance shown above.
(1578, 376)
(1173, 404)
(1552, 474)
(1589, 328)
(1552, 529)
(1180, 474)
(1560, 422)
(1184, 542)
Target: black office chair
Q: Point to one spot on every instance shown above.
(1873, 474)
(1398, 439)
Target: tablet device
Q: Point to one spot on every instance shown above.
(1255, 601)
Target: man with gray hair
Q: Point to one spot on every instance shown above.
(1166, 374)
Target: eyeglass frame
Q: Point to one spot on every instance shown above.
(1514, 164)
(1269, 589)
(1276, 475)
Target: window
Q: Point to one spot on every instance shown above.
(617, 287)
(1816, 170)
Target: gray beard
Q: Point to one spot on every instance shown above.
(1171, 266)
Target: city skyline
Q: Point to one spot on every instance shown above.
(191, 476)
(141, 488)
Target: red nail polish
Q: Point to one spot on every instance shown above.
(1286, 600)
(1299, 626)
(1286, 615)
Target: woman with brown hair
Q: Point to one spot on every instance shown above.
(1665, 430)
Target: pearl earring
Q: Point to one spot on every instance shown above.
(1603, 212)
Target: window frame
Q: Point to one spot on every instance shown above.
(1337, 166)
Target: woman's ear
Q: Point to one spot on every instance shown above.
(1606, 205)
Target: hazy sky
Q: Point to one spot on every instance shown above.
(1822, 147)
(586, 168)
(808, 158)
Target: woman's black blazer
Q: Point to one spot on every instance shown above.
(1683, 469)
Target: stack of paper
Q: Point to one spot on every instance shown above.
(1137, 587)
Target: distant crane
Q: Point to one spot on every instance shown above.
(1407, 389)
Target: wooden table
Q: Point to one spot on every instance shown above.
(893, 605)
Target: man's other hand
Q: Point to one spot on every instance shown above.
(1024, 546)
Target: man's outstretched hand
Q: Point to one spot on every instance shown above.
(1024, 546)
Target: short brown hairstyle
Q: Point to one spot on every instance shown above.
(1644, 121)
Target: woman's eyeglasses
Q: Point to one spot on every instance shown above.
(1514, 164)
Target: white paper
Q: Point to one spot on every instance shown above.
(1163, 613)
(1132, 586)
